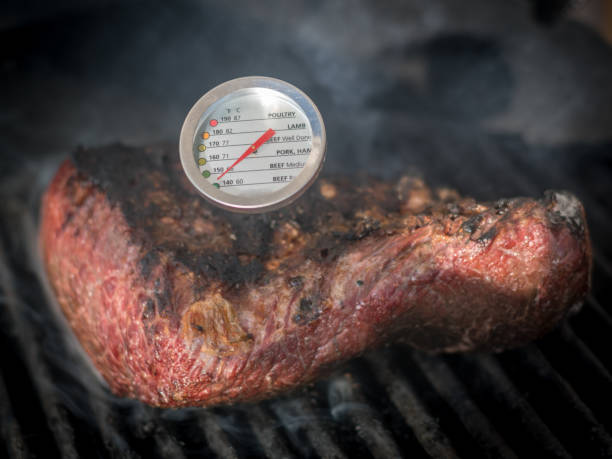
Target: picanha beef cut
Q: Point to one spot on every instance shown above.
(178, 303)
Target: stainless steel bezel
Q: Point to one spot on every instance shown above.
(271, 201)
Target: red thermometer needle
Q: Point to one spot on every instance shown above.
(258, 143)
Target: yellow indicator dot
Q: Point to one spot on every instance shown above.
(202, 161)
(206, 135)
(201, 147)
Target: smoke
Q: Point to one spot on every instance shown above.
(53, 351)
(393, 84)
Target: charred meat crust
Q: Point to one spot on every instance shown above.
(178, 303)
(164, 212)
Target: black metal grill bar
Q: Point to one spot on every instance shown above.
(167, 445)
(494, 166)
(346, 401)
(539, 364)
(414, 412)
(587, 376)
(298, 413)
(600, 261)
(266, 430)
(9, 427)
(602, 275)
(570, 336)
(593, 323)
(106, 421)
(451, 389)
(56, 418)
(215, 436)
(526, 174)
(603, 263)
(504, 389)
(105, 417)
(593, 326)
(599, 310)
(150, 426)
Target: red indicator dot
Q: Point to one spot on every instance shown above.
(213, 123)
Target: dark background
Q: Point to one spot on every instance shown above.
(399, 81)
(494, 98)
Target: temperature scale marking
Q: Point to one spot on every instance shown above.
(259, 145)
(281, 164)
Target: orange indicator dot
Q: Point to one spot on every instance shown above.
(206, 135)
(213, 123)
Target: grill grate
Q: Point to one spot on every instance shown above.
(415, 413)
(452, 390)
(548, 399)
(216, 438)
(545, 397)
(9, 427)
(348, 404)
(54, 411)
(504, 405)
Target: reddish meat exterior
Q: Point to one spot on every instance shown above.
(181, 304)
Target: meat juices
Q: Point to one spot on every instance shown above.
(178, 303)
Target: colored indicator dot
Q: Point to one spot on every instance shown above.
(213, 123)
(201, 147)
(206, 174)
(206, 135)
(216, 185)
(202, 161)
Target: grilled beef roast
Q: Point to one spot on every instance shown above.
(179, 303)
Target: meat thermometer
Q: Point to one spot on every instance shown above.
(253, 144)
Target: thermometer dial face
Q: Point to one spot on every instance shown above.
(253, 144)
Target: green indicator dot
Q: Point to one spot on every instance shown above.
(202, 161)
(202, 147)
(216, 185)
(206, 173)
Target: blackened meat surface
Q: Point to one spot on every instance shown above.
(179, 303)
